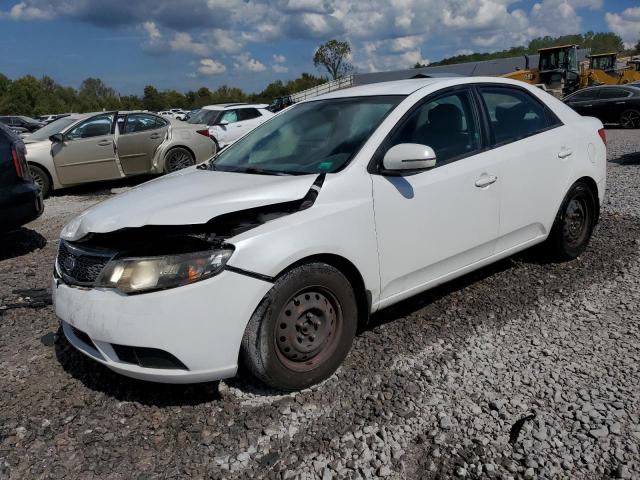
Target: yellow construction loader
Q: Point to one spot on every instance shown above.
(602, 70)
(557, 70)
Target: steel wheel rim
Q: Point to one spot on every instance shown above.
(179, 159)
(630, 119)
(576, 221)
(308, 328)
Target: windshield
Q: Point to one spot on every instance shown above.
(54, 127)
(313, 137)
(208, 117)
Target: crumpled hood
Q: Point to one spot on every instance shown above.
(188, 197)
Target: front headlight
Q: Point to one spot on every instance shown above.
(135, 275)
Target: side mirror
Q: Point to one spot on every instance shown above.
(57, 138)
(408, 158)
(223, 123)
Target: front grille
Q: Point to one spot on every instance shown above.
(83, 337)
(148, 357)
(79, 265)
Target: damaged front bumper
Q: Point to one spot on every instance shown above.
(187, 334)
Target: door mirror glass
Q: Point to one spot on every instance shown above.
(57, 138)
(408, 157)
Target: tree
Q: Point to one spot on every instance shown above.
(151, 99)
(334, 56)
(420, 65)
(637, 47)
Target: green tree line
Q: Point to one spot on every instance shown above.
(31, 96)
(600, 42)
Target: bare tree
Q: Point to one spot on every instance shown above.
(334, 56)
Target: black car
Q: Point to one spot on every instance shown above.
(609, 103)
(280, 103)
(28, 123)
(20, 197)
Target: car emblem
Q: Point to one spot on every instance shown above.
(69, 263)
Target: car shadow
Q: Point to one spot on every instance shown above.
(627, 159)
(17, 243)
(99, 378)
(110, 187)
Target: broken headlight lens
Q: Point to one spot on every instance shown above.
(136, 275)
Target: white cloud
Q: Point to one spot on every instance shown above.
(183, 42)
(225, 41)
(245, 62)
(279, 58)
(625, 24)
(22, 11)
(280, 68)
(152, 31)
(209, 66)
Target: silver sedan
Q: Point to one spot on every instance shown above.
(92, 147)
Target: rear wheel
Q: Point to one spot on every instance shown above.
(41, 178)
(574, 223)
(630, 119)
(177, 159)
(303, 328)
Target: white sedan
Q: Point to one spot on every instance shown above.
(274, 252)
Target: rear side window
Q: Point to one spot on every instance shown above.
(139, 122)
(613, 93)
(97, 126)
(584, 95)
(514, 114)
(248, 113)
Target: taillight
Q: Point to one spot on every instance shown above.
(603, 135)
(203, 132)
(22, 171)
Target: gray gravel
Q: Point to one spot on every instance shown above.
(436, 387)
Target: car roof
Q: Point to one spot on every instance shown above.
(225, 106)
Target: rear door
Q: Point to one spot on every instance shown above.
(584, 102)
(536, 152)
(139, 137)
(88, 151)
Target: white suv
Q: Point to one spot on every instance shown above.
(228, 122)
(274, 252)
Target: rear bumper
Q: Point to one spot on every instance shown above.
(19, 204)
(199, 325)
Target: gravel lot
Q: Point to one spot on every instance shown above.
(434, 388)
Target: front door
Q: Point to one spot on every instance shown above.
(437, 222)
(88, 151)
(140, 136)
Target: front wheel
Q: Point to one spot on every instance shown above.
(630, 119)
(574, 223)
(41, 179)
(303, 328)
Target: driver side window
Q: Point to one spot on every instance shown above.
(447, 124)
(230, 116)
(98, 126)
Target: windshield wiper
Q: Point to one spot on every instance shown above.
(260, 171)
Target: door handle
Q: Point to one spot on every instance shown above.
(564, 153)
(238, 124)
(486, 180)
(620, 103)
(154, 136)
(104, 143)
(589, 105)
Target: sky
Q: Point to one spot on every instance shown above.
(186, 44)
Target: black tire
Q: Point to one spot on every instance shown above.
(303, 328)
(178, 158)
(41, 178)
(630, 119)
(574, 223)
